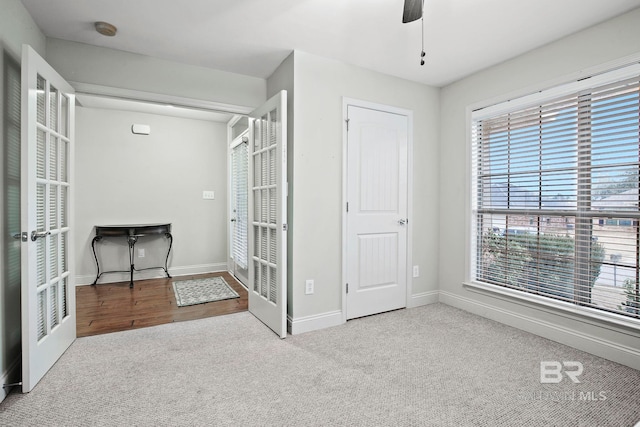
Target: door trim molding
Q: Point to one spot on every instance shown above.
(346, 102)
(158, 98)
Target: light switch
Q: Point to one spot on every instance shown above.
(208, 195)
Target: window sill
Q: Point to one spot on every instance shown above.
(560, 308)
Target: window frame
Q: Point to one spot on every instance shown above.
(488, 109)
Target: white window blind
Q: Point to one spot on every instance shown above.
(555, 194)
(240, 188)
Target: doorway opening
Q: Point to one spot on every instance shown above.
(111, 306)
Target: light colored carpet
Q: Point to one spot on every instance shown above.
(200, 291)
(427, 366)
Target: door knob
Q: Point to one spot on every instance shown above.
(35, 235)
(402, 221)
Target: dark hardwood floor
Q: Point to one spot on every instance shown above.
(112, 307)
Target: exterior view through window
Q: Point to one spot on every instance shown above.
(555, 194)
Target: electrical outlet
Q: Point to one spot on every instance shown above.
(416, 271)
(140, 252)
(208, 195)
(308, 289)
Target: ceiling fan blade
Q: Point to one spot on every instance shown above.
(412, 10)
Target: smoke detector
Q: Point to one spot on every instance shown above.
(106, 29)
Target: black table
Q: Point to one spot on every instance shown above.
(131, 232)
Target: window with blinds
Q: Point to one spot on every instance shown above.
(555, 201)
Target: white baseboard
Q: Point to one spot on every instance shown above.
(10, 376)
(152, 274)
(315, 322)
(423, 298)
(598, 346)
(198, 269)
(335, 318)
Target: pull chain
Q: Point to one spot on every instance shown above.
(422, 54)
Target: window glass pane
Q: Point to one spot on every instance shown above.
(41, 114)
(64, 115)
(53, 256)
(41, 308)
(64, 312)
(40, 207)
(53, 158)
(63, 252)
(53, 206)
(63, 146)
(64, 206)
(41, 154)
(53, 305)
(41, 275)
(53, 108)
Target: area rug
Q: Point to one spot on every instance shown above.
(200, 291)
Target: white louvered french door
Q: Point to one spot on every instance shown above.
(268, 214)
(240, 207)
(48, 292)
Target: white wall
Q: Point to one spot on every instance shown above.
(78, 62)
(123, 178)
(16, 28)
(316, 165)
(559, 62)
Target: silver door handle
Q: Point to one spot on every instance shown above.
(35, 235)
(402, 221)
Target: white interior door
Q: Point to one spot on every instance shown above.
(268, 213)
(376, 221)
(48, 288)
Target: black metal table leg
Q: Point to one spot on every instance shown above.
(93, 246)
(131, 239)
(166, 261)
(132, 232)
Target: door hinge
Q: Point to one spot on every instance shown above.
(347, 206)
(347, 120)
(284, 227)
(347, 288)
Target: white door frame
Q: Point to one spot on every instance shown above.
(346, 102)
